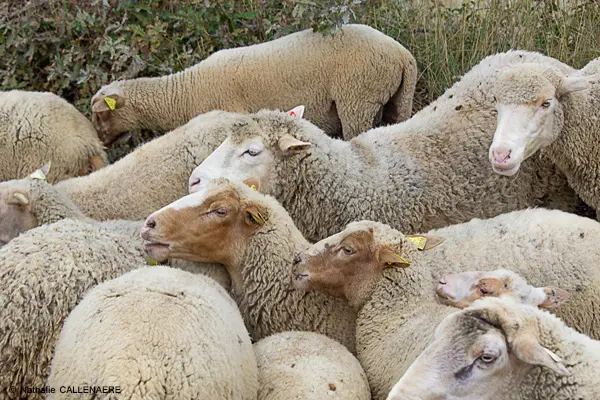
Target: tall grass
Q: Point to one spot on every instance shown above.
(73, 47)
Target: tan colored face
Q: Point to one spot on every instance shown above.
(107, 106)
(342, 261)
(212, 225)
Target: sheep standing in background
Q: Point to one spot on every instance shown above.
(349, 83)
(40, 127)
(392, 285)
(256, 240)
(28, 203)
(541, 108)
(156, 333)
(42, 274)
(428, 172)
(502, 350)
(306, 365)
(462, 289)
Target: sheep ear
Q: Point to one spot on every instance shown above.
(527, 349)
(109, 102)
(388, 257)
(425, 242)
(254, 216)
(19, 199)
(41, 173)
(253, 183)
(290, 145)
(554, 297)
(572, 84)
(297, 112)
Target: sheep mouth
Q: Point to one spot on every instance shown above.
(157, 250)
(443, 295)
(506, 169)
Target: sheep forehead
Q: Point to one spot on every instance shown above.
(196, 199)
(525, 86)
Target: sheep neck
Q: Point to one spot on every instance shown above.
(576, 150)
(166, 102)
(52, 205)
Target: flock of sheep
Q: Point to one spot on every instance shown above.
(447, 255)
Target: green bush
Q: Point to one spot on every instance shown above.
(72, 48)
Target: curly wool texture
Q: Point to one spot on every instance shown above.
(348, 83)
(42, 274)
(578, 352)
(306, 365)
(38, 127)
(427, 172)
(152, 176)
(401, 312)
(157, 333)
(262, 281)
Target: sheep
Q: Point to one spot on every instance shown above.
(42, 274)
(541, 108)
(462, 289)
(253, 236)
(500, 349)
(31, 202)
(40, 127)
(349, 82)
(398, 308)
(156, 332)
(307, 365)
(152, 176)
(424, 173)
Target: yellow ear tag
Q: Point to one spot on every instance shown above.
(151, 261)
(293, 147)
(110, 102)
(401, 259)
(253, 187)
(418, 241)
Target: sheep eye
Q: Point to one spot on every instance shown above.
(495, 99)
(348, 250)
(484, 291)
(221, 212)
(252, 152)
(546, 104)
(488, 358)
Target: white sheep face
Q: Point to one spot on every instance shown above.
(530, 113)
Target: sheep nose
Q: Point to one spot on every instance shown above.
(150, 223)
(442, 281)
(501, 155)
(193, 182)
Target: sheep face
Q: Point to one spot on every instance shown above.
(110, 116)
(348, 263)
(462, 289)
(478, 353)
(530, 113)
(250, 152)
(16, 214)
(211, 225)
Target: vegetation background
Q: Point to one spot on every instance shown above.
(73, 47)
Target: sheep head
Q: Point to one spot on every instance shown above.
(212, 225)
(481, 352)
(462, 289)
(530, 113)
(110, 113)
(349, 263)
(252, 149)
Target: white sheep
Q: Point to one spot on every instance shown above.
(156, 333)
(368, 265)
(463, 288)
(545, 109)
(42, 274)
(349, 82)
(499, 349)
(427, 172)
(152, 176)
(41, 127)
(307, 365)
(255, 239)
(31, 202)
